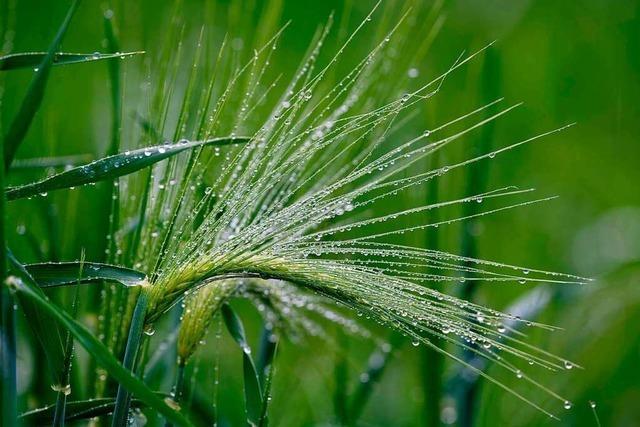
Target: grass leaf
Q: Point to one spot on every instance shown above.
(50, 162)
(76, 411)
(269, 370)
(52, 274)
(16, 61)
(35, 92)
(48, 335)
(32, 293)
(235, 327)
(113, 166)
(252, 393)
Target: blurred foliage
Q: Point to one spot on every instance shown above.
(568, 61)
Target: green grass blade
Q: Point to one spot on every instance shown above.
(61, 403)
(268, 343)
(50, 162)
(235, 327)
(53, 274)
(16, 61)
(77, 410)
(44, 329)
(35, 92)
(269, 370)
(8, 358)
(8, 373)
(113, 167)
(30, 291)
(116, 123)
(252, 392)
(114, 76)
(134, 339)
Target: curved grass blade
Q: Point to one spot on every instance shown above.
(114, 166)
(35, 92)
(252, 392)
(16, 61)
(48, 335)
(268, 370)
(30, 291)
(52, 274)
(77, 410)
(268, 343)
(50, 162)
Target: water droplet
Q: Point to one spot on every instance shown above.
(592, 404)
(413, 73)
(568, 365)
(567, 404)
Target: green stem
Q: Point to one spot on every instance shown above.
(178, 388)
(8, 335)
(477, 177)
(8, 396)
(432, 360)
(61, 405)
(61, 401)
(123, 398)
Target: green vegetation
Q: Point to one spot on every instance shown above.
(281, 213)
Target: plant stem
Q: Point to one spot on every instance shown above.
(477, 178)
(432, 360)
(7, 330)
(123, 398)
(61, 401)
(8, 396)
(178, 388)
(61, 404)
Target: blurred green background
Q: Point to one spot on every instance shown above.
(567, 61)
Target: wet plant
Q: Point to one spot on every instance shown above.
(231, 182)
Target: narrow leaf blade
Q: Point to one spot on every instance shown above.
(35, 92)
(115, 166)
(267, 382)
(252, 391)
(16, 61)
(67, 273)
(76, 411)
(49, 336)
(235, 326)
(95, 348)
